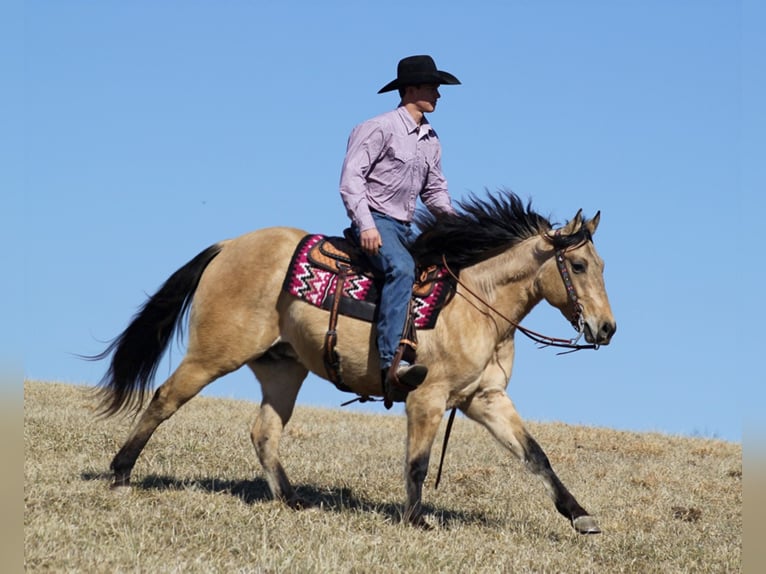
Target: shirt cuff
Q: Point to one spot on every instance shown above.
(365, 221)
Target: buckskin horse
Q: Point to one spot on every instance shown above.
(505, 259)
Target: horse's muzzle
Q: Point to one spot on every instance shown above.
(603, 334)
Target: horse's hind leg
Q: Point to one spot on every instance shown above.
(493, 409)
(187, 380)
(280, 379)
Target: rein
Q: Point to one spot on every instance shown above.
(543, 340)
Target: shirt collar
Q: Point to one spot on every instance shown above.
(423, 130)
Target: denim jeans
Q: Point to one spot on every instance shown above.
(396, 263)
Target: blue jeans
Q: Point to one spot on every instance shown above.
(398, 267)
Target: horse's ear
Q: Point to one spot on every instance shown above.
(592, 224)
(572, 227)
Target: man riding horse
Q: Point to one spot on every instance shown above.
(504, 257)
(390, 160)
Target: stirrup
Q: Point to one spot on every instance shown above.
(399, 381)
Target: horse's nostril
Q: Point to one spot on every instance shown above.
(607, 331)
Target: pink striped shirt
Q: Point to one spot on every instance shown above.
(390, 162)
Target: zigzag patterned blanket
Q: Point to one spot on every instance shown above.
(312, 276)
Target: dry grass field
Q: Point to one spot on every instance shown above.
(199, 502)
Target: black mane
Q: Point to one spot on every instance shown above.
(481, 228)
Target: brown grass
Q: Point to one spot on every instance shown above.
(200, 504)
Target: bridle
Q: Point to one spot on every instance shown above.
(578, 322)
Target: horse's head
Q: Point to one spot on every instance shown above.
(572, 280)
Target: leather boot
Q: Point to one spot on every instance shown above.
(398, 384)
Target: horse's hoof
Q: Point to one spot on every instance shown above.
(586, 525)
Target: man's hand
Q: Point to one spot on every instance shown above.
(370, 240)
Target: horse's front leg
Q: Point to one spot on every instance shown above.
(493, 409)
(425, 410)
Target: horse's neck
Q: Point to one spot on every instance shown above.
(507, 281)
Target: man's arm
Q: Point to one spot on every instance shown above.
(364, 147)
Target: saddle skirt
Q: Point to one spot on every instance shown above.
(318, 260)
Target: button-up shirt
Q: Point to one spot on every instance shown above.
(390, 161)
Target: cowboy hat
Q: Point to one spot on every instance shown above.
(415, 70)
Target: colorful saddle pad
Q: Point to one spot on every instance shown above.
(313, 275)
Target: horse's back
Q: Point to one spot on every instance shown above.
(241, 310)
(255, 256)
(276, 238)
(238, 292)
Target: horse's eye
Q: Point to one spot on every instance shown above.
(579, 267)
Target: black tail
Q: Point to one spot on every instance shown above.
(139, 348)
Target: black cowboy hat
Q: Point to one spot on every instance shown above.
(415, 70)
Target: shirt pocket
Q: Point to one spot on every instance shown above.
(403, 149)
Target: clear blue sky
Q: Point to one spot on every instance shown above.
(149, 130)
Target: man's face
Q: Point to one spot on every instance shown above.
(424, 97)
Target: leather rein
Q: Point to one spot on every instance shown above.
(543, 340)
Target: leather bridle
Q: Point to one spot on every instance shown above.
(578, 322)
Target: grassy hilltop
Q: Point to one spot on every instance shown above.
(200, 504)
